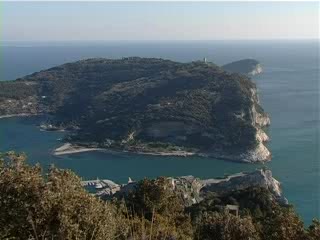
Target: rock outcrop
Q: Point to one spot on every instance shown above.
(194, 190)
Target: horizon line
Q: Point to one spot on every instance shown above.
(161, 40)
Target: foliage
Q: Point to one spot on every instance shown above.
(109, 99)
(15, 90)
(155, 210)
(244, 66)
(256, 202)
(34, 205)
(270, 219)
(225, 226)
(164, 227)
(314, 230)
(283, 224)
(56, 207)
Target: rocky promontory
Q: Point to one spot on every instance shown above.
(194, 190)
(146, 105)
(248, 67)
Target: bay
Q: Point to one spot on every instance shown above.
(288, 89)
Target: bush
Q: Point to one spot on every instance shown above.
(314, 230)
(283, 224)
(225, 226)
(55, 207)
(155, 211)
(34, 205)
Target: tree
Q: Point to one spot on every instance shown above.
(314, 230)
(154, 211)
(225, 226)
(54, 207)
(283, 224)
(35, 205)
(154, 196)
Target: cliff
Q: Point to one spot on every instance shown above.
(147, 105)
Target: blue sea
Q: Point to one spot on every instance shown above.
(288, 89)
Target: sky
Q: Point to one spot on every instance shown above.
(85, 21)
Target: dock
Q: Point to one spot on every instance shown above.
(103, 182)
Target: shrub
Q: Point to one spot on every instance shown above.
(225, 226)
(154, 210)
(55, 207)
(314, 230)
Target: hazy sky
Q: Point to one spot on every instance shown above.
(158, 21)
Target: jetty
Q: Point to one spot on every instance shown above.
(103, 182)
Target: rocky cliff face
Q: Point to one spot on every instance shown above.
(257, 70)
(258, 178)
(194, 190)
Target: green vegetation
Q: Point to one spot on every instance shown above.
(245, 66)
(15, 90)
(198, 105)
(51, 207)
(35, 205)
(226, 226)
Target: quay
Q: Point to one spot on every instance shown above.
(100, 183)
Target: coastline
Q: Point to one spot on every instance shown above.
(195, 189)
(69, 148)
(172, 153)
(17, 115)
(253, 157)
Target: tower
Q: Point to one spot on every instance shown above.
(205, 60)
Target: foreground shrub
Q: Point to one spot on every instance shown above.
(57, 207)
(283, 224)
(35, 206)
(225, 226)
(153, 211)
(314, 230)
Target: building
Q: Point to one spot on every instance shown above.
(233, 209)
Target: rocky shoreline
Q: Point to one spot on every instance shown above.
(261, 154)
(257, 70)
(69, 148)
(210, 112)
(194, 190)
(17, 115)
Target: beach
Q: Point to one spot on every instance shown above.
(69, 148)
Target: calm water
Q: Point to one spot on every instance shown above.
(289, 91)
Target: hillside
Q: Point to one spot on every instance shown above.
(147, 105)
(56, 206)
(248, 67)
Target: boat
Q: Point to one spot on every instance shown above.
(98, 184)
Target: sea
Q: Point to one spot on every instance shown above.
(288, 90)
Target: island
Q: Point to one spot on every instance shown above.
(146, 106)
(250, 67)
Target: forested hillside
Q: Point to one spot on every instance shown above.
(53, 205)
(142, 103)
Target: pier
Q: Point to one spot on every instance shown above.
(102, 183)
